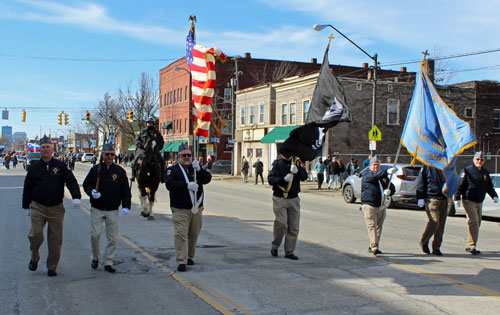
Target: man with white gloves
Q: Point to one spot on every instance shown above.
(285, 177)
(185, 181)
(475, 182)
(107, 186)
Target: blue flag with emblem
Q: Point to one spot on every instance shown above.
(433, 133)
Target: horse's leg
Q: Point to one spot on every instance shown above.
(143, 199)
(152, 202)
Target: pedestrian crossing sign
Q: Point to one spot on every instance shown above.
(375, 134)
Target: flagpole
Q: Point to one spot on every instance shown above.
(192, 18)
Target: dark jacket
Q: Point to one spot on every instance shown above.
(474, 184)
(259, 167)
(334, 168)
(177, 186)
(371, 194)
(280, 168)
(113, 186)
(146, 133)
(44, 183)
(430, 183)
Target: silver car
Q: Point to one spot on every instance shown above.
(490, 209)
(404, 180)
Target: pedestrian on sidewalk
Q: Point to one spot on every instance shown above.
(320, 170)
(475, 182)
(43, 193)
(186, 203)
(286, 202)
(259, 170)
(105, 200)
(429, 194)
(334, 171)
(327, 162)
(374, 185)
(244, 169)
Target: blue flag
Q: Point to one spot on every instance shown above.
(190, 42)
(433, 133)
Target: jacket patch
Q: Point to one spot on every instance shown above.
(55, 170)
(114, 178)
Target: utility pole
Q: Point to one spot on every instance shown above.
(233, 110)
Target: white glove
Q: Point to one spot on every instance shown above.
(387, 192)
(495, 199)
(193, 186)
(76, 203)
(96, 194)
(458, 203)
(196, 165)
(288, 178)
(391, 171)
(125, 211)
(420, 203)
(27, 212)
(294, 169)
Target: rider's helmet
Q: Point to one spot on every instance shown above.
(150, 119)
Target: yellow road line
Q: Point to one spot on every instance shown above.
(240, 308)
(202, 295)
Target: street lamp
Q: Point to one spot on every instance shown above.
(319, 27)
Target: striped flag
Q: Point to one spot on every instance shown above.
(201, 62)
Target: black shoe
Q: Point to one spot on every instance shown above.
(425, 248)
(274, 252)
(94, 264)
(437, 252)
(475, 251)
(33, 265)
(181, 267)
(377, 252)
(51, 273)
(109, 268)
(292, 257)
(190, 262)
(132, 178)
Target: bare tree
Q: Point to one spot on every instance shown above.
(274, 73)
(444, 69)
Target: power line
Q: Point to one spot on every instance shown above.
(397, 63)
(85, 59)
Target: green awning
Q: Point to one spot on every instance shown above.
(278, 134)
(131, 148)
(166, 146)
(172, 146)
(167, 125)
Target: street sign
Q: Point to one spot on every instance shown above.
(202, 140)
(230, 141)
(373, 145)
(375, 134)
(214, 139)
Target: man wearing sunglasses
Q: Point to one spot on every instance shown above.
(475, 182)
(105, 199)
(43, 193)
(186, 203)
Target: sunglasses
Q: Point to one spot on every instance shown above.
(479, 159)
(186, 155)
(109, 154)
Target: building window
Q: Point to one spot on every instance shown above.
(180, 95)
(292, 113)
(284, 114)
(258, 153)
(392, 112)
(185, 126)
(186, 93)
(496, 118)
(359, 86)
(261, 113)
(243, 115)
(390, 88)
(469, 112)
(165, 99)
(249, 153)
(228, 95)
(307, 104)
(252, 117)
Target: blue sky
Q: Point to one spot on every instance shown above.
(156, 30)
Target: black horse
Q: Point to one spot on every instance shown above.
(148, 177)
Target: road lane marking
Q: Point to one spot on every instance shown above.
(435, 277)
(185, 283)
(240, 308)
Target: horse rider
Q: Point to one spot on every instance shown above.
(149, 132)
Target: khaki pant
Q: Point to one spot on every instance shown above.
(474, 211)
(54, 216)
(286, 223)
(97, 220)
(187, 227)
(436, 210)
(374, 218)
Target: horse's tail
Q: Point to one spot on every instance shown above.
(148, 190)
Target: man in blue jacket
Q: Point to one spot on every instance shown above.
(375, 185)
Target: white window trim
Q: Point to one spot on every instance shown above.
(496, 118)
(250, 109)
(281, 112)
(465, 112)
(290, 112)
(398, 112)
(263, 113)
(304, 110)
(242, 117)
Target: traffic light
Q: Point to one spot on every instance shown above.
(60, 119)
(23, 119)
(66, 119)
(130, 116)
(87, 117)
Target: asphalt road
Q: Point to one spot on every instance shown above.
(234, 271)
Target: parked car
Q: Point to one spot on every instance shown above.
(78, 156)
(32, 156)
(21, 159)
(87, 157)
(221, 167)
(490, 209)
(404, 180)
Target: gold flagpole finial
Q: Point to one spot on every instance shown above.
(330, 40)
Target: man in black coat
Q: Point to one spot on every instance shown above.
(375, 185)
(475, 182)
(259, 170)
(149, 132)
(285, 177)
(186, 203)
(105, 199)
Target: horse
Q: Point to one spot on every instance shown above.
(148, 178)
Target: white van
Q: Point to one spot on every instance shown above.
(87, 157)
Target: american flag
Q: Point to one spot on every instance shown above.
(201, 61)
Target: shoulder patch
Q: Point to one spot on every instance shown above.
(169, 171)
